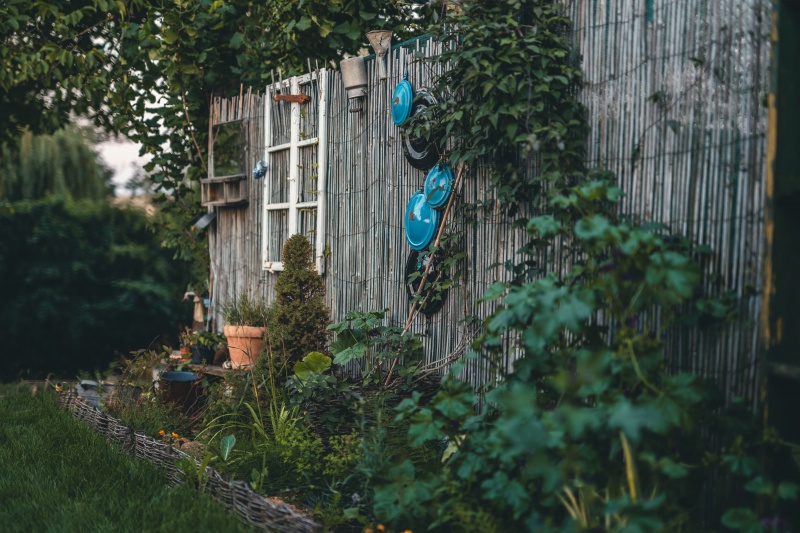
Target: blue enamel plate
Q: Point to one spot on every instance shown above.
(401, 102)
(421, 222)
(438, 185)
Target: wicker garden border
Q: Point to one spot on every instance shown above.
(248, 505)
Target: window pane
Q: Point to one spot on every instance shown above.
(277, 232)
(228, 149)
(278, 174)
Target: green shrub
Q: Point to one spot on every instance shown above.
(365, 340)
(300, 316)
(589, 430)
(342, 456)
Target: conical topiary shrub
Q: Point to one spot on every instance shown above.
(300, 315)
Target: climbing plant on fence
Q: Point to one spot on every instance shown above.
(508, 95)
(588, 431)
(506, 103)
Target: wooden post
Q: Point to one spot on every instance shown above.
(780, 320)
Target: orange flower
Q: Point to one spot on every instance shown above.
(161, 433)
(174, 435)
(380, 527)
(408, 531)
(369, 530)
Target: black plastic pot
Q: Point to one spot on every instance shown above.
(201, 354)
(183, 390)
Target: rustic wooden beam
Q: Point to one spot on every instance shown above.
(299, 98)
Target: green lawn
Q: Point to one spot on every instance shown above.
(56, 474)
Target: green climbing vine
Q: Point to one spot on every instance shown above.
(506, 102)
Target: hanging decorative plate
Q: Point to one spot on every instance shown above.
(421, 221)
(438, 185)
(420, 150)
(402, 99)
(432, 302)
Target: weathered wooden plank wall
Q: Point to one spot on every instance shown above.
(674, 91)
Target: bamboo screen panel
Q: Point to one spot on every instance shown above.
(674, 93)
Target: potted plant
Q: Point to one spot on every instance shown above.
(203, 346)
(186, 342)
(245, 327)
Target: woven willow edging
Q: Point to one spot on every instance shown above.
(248, 505)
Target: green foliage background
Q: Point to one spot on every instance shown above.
(81, 281)
(62, 163)
(149, 69)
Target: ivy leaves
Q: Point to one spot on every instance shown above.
(55, 60)
(507, 93)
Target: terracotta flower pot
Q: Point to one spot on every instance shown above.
(244, 344)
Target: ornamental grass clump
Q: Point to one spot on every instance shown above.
(300, 317)
(245, 326)
(244, 310)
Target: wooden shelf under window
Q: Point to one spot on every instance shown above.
(225, 191)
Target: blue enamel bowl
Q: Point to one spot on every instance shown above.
(438, 185)
(401, 102)
(421, 221)
(180, 377)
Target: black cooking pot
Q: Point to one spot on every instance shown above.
(419, 146)
(432, 304)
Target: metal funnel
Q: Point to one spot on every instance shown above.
(381, 41)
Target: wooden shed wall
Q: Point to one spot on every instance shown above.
(674, 91)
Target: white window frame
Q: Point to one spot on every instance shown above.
(293, 206)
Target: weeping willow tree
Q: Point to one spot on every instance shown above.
(63, 164)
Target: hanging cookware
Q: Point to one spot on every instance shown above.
(438, 185)
(402, 98)
(421, 221)
(431, 302)
(418, 145)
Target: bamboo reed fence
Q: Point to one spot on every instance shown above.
(674, 92)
